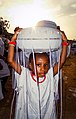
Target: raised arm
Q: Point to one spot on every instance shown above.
(63, 54)
(11, 50)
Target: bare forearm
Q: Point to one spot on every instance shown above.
(10, 54)
(16, 67)
(11, 60)
(62, 60)
(11, 51)
(63, 54)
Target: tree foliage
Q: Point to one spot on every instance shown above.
(4, 25)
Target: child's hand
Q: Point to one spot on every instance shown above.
(16, 34)
(64, 38)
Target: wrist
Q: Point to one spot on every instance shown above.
(65, 43)
(16, 33)
(13, 39)
(12, 43)
(64, 40)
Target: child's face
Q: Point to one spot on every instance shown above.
(42, 65)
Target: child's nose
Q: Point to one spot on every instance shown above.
(43, 68)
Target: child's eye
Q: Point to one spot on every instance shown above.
(38, 65)
(46, 65)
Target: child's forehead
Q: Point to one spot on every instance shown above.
(43, 57)
(38, 56)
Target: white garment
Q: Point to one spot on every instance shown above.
(33, 101)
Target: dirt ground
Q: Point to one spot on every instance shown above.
(69, 92)
(69, 88)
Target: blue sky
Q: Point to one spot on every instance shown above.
(25, 13)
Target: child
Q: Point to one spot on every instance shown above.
(35, 99)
